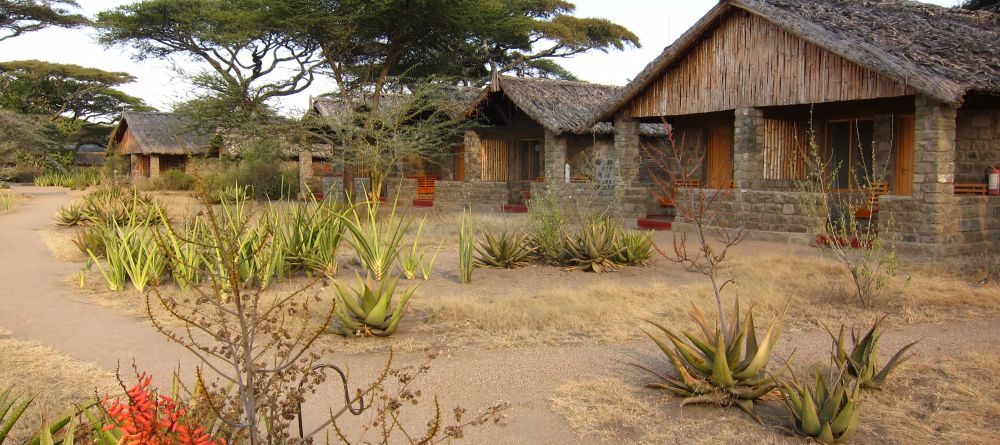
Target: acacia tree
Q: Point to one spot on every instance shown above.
(18, 17)
(988, 5)
(251, 62)
(56, 91)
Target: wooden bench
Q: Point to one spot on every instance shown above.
(971, 189)
(668, 201)
(872, 195)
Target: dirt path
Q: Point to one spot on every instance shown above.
(37, 303)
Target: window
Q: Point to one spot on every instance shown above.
(529, 163)
(850, 153)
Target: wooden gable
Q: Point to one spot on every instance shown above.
(747, 61)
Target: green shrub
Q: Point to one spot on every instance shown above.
(174, 180)
(548, 221)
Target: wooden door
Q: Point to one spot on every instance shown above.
(459, 159)
(720, 158)
(904, 156)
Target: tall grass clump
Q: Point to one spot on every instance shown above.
(548, 222)
(6, 200)
(465, 248)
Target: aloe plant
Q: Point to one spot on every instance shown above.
(427, 266)
(862, 362)
(633, 248)
(727, 368)
(368, 310)
(70, 215)
(465, 239)
(506, 250)
(310, 235)
(184, 253)
(412, 259)
(12, 409)
(594, 248)
(828, 411)
(6, 200)
(375, 241)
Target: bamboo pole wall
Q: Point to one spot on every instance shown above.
(785, 145)
(495, 160)
(750, 62)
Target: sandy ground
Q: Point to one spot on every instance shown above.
(551, 380)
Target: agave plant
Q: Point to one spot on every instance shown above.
(726, 368)
(91, 239)
(183, 251)
(633, 248)
(862, 362)
(366, 311)
(594, 248)
(506, 250)
(828, 411)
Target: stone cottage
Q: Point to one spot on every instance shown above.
(909, 89)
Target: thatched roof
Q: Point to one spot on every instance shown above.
(944, 53)
(163, 133)
(560, 106)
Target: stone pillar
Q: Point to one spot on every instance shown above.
(626, 152)
(554, 157)
(473, 157)
(884, 127)
(934, 169)
(748, 149)
(306, 174)
(154, 166)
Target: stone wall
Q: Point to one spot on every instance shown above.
(767, 215)
(401, 191)
(974, 226)
(977, 145)
(479, 196)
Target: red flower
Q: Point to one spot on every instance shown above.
(147, 418)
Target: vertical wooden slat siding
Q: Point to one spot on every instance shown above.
(784, 149)
(495, 160)
(749, 62)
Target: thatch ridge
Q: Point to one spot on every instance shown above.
(944, 53)
(561, 106)
(164, 133)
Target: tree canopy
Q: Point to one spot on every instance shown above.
(251, 61)
(988, 5)
(18, 17)
(58, 90)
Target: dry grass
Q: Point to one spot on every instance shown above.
(956, 400)
(953, 401)
(58, 382)
(59, 240)
(616, 411)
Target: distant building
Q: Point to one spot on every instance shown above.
(156, 142)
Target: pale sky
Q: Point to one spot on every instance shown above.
(656, 22)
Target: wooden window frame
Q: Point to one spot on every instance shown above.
(852, 140)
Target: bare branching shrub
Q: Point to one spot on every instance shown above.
(847, 221)
(670, 167)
